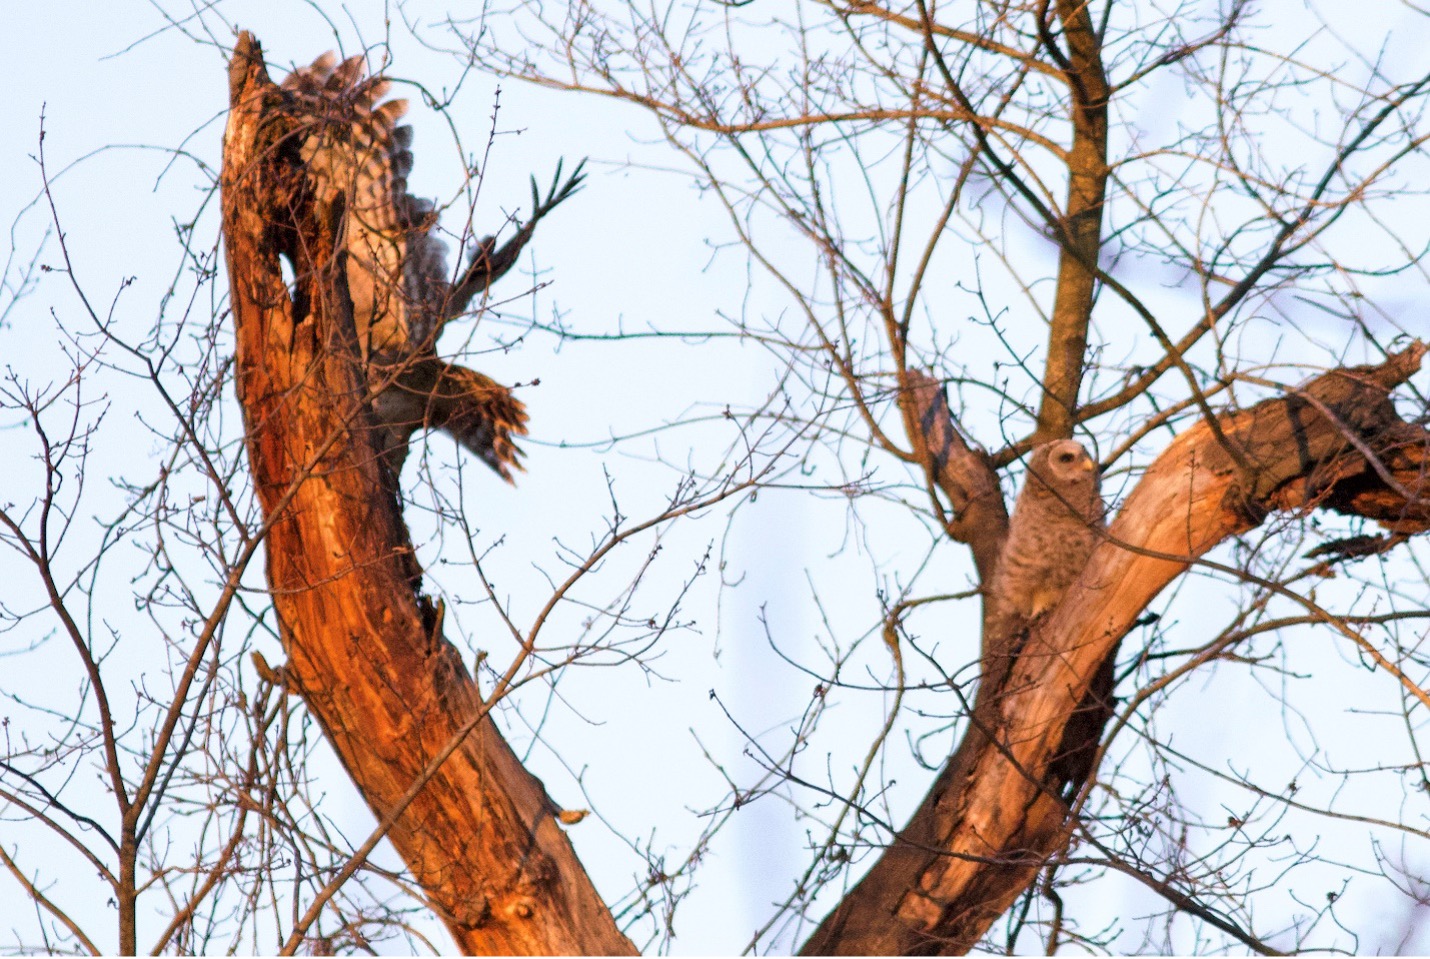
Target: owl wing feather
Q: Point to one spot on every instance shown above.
(357, 154)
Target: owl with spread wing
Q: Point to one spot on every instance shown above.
(357, 158)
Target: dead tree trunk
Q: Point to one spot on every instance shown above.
(365, 649)
(364, 645)
(994, 815)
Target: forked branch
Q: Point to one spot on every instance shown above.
(995, 814)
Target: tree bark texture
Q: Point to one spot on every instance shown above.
(1079, 232)
(964, 475)
(364, 645)
(994, 815)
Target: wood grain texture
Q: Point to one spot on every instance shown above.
(388, 692)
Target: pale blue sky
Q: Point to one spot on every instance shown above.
(632, 251)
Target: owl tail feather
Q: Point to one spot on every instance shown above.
(477, 411)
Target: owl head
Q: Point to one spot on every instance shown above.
(1065, 469)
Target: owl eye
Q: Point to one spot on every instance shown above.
(1066, 457)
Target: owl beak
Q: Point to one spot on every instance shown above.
(1088, 465)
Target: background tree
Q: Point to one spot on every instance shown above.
(1162, 227)
(1142, 226)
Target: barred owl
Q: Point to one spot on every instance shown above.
(1053, 530)
(357, 158)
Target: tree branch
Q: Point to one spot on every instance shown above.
(965, 475)
(481, 839)
(994, 816)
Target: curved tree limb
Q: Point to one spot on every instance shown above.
(364, 644)
(994, 815)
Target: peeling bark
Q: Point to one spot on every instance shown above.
(363, 643)
(965, 475)
(994, 815)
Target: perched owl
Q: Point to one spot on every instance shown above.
(356, 159)
(1054, 528)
